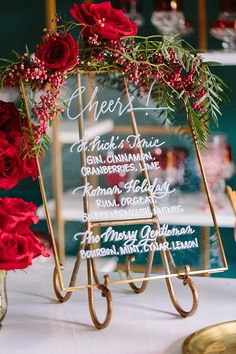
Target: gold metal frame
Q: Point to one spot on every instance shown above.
(63, 293)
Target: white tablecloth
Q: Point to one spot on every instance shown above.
(141, 324)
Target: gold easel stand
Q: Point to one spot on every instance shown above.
(64, 293)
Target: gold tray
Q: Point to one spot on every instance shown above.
(217, 339)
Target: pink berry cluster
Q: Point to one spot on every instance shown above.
(47, 108)
(164, 70)
(45, 111)
(32, 71)
(142, 71)
(94, 40)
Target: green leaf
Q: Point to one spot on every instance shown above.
(220, 81)
(16, 53)
(212, 63)
(203, 98)
(7, 60)
(188, 62)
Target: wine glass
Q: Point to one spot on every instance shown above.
(228, 165)
(227, 170)
(172, 166)
(212, 160)
(132, 8)
(226, 32)
(225, 26)
(181, 156)
(159, 155)
(168, 17)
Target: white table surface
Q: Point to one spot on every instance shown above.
(141, 324)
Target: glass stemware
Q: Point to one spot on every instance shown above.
(213, 160)
(228, 165)
(3, 295)
(172, 168)
(168, 17)
(132, 8)
(224, 28)
(227, 170)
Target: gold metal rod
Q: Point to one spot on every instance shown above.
(148, 268)
(105, 292)
(123, 222)
(58, 188)
(88, 72)
(42, 189)
(82, 153)
(205, 183)
(154, 277)
(186, 281)
(205, 245)
(85, 180)
(149, 263)
(50, 6)
(140, 150)
(143, 129)
(152, 203)
(146, 174)
(202, 25)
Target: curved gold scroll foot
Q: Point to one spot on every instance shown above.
(60, 296)
(148, 267)
(135, 288)
(186, 281)
(105, 292)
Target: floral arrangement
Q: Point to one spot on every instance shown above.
(18, 244)
(107, 41)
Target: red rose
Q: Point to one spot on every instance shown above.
(14, 251)
(3, 140)
(36, 246)
(15, 213)
(102, 19)
(9, 165)
(58, 53)
(9, 117)
(28, 166)
(17, 251)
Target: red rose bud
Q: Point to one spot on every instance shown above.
(59, 53)
(103, 20)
